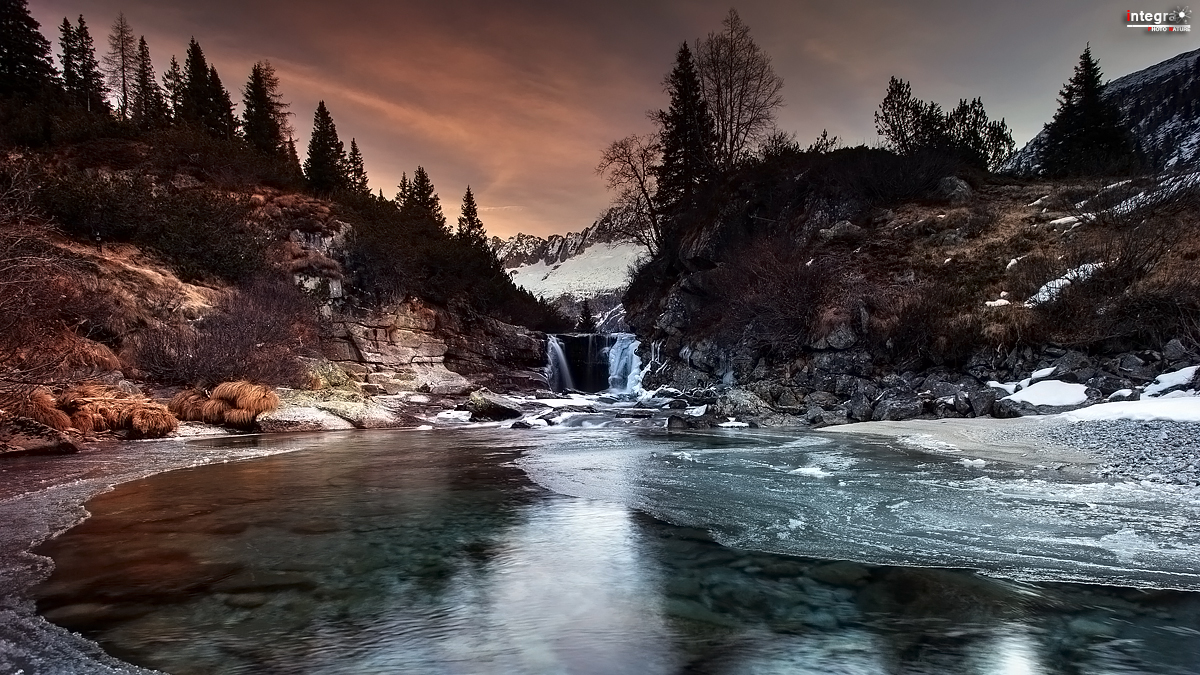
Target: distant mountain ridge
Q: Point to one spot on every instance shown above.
(526, 249)
(1159, 104)
(591, 265)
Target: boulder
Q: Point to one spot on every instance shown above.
(300, 418)
(23, 436)
(982, 401)
(483, 404)
(822, 400)
(953, 190)
(1174, 351)
(860, 408)
(739, 402)
(897, 405)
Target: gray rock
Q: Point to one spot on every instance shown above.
(739, 402)
(860, 408)
(842, 229)
(1175, 351)
(962, 403)
(853, 362)
(982, 401)
(823, 400)
(521, 424)
(897, 405)
(486, 405)
(953, 190)
(676, 422)
(676, 404)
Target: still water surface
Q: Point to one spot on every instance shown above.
(494, 551)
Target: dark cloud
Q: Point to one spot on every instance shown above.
(517, 99)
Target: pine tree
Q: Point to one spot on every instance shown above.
(82, 80)
(688, 140)
(220, 119)
(121, 65)
(1086, 136)
(173, 85)
(149, 108)
(69, 60)
(194, 96)
(264, 114)
(402, 190)
(470, 227)
(25, 66)
(421, 204)
(325, 168)
(357, 170)
(293, 159)
(587, 321)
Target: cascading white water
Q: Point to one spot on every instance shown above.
(624, 365)
(558, 371)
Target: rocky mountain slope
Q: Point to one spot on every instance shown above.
(590, 265)
(1159, 104)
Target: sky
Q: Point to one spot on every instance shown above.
(517, 99)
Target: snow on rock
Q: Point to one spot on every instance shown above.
(1166, 381)
(1050, 393)
(997, 303)
(1010, 387)
(1042, 374)
(1052, 289)
(1186, 409)
(597, 269)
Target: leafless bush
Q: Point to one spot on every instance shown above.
(780, 294)
(257, 335)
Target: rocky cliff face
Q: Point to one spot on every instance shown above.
(416, 347)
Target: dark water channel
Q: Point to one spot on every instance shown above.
(409, 552)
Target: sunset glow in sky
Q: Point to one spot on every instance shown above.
(517, 99)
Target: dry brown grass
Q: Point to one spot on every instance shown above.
(241, 419)
(213, 411)
(150, 420)
(188, 405)
(36, 403)
(244, 395)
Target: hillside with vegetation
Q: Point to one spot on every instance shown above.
(833, 283)
(151, 237)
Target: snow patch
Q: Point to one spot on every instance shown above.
(1050, 392)
(1185, 409)
(600, 268)
(1052, 289)
(1167, 380)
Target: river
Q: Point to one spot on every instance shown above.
(610, 550)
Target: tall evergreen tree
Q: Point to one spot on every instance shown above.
(25, 66)
(173, 86)
(1086, 136)
(356, 170)
(149, 108)
(121, 65)
(220, 120)
(293, 158)
(470, 227)
(422, 206)
(194, 98)
(264, 114)
(402, 190)
(69, 59)
(587, 320)
(325, 167)
(82, 78)
(688, 137)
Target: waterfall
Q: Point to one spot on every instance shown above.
(624, 365)
(558, 371)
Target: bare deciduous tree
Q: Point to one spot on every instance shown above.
(121, 64)
(628, 167)
(740, 88)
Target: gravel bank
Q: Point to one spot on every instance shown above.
(1159, 451)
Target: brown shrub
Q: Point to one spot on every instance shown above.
(243, 395)
(188, 405)
(241, 419)
(213, 411)
(256, 334)
(151, 420)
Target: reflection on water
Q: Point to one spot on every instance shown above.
(433, 553)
